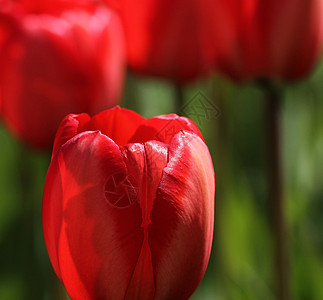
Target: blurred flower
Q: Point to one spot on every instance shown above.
(167, 38)
(52, 64)
(128, 211)
(269, 38)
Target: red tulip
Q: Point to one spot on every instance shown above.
(54, 64)
(167, 38)
(128, 206)
(269, 38)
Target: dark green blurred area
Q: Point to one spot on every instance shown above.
(241, 264)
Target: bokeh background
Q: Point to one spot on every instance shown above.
(241, 264)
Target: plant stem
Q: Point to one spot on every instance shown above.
(222, 154)
(28, 219)
(36, 269)
(275, 184)
(179, 97)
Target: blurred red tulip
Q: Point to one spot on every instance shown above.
(167, 38)
(69, 61)
(128, 206)
(269, 39)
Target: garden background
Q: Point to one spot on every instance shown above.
(242, 259)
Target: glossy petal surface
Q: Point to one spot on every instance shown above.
(124, 126)
(90, 241)
(118, 124)
(163, 128)
(68, 128)
(132, 220)
(182, 218)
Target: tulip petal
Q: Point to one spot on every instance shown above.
(52, 65)
(54, 7)
(146, 163)
(131, 221)
(180, 233)
(93, 244)
(117, 123)
(163, 128)
(68, 128)
(167, 38)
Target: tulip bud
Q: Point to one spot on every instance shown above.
(56, 63)
(128, 212)
(268, 39)
(168, 38)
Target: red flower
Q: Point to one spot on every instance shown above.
(167, 38)
(272, 39)
(128, 206)
(54, 64)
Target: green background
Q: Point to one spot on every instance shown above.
(241, 264)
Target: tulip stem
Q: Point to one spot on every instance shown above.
(179, 97)
(272, 116)
(28, 218)
(31, 169)
(222, 179)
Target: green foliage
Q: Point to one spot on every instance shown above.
(241, 264)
